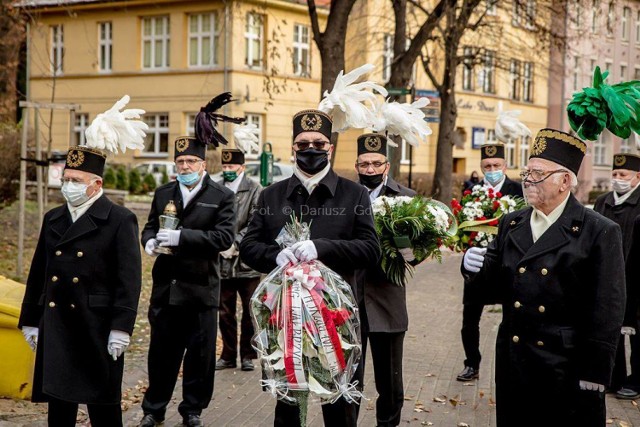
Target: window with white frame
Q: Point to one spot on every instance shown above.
(492, 9)
(488, 74)
(258, 120)
(611, 17)
(80, 124)
(514, 78)
(491, 137)
(625, 24)
(623, 73)
(527, 82)
(625, 145)
(301, 50)
(253, 37)
(57, 49)
(190, 124)
(530, 14)
(576, 72)
(155, 42)
(467, 68)
(405, 153)
(510, 153)
(595, 16)
(156, 143)
(608, 65)
(387, 56)
(600, 149)
(203, 40)
(516, 13)
(525, 141)
(106, 43)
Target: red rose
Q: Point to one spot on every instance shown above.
(496, 205)
(466, 192)
(494, 222)
(498, 194)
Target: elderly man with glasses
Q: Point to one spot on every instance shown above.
(383, 305)
(342, 232)
(558, 268)
(186, 285)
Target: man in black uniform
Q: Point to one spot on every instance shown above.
(82, 294)
(493, 166)
(622, 205)
(237, 277)
(558, 268)
(383, 305)
(186, 285)
(342, 232)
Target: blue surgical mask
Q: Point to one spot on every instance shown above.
(75, 193)
(493, 177)
(189, 179)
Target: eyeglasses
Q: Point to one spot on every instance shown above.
(188, 162)
(367, 165)
(318, 144)
(538, 175)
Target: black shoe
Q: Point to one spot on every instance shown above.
(247, 365)
(192, 420)
(468, 374)
(150, 421)
(225, 364)
(627, 394)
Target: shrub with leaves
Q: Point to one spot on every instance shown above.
(109, 178)
(148, 183)
(135, 181)
(122, 179)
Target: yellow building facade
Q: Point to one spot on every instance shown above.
(171, 57)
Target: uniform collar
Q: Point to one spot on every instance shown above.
(330, 182)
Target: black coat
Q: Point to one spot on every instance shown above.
(190, 277)
(509, 188)
(84, 281)
(563, 304)
(341, 224)
(385, 302)
(626, 215)
(246, 200)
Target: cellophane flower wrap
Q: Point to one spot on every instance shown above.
(410, 222)
(306, 322)
(478, 213)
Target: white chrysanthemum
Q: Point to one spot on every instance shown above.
(440, 218)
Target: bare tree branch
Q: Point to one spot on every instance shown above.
(315, 26)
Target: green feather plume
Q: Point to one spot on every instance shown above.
(614, 107)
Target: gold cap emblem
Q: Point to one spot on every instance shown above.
(490, 151)
(226, 156)
(75, 158)
(538, 147)
(311, 122)
(372, 143)
(182, 144)
(619, 160)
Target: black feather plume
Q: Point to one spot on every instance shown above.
(207, 120)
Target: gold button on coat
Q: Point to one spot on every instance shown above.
(522, 270)
(517, 304)
(516, 338)
(540, 343)
(58, 253)
(541, 309)
(72, 306)
(54, 279)
(75, 280)
(544, 271)
(52, 304)
(80, 254)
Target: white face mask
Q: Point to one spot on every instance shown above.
(74, 193)
(621, 186)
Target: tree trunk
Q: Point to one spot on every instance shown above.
(332, 57)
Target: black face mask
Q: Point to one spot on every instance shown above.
(312, 161)
(371, 181)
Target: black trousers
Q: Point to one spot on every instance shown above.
(63, 414)
(178, 332)
(470, 332)
(229, 288)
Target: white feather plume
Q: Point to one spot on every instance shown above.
(405, 120)
(246, 137)
(350, 104)
(115, 129)
(508, 126)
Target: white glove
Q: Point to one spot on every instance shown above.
(285, 257)
(229, 253)
(118, 343)
(168, 237)
(150, 246)
(407, 254)
(305, 250)
(586, 385)
(473, 259)
(628, 330)
(31, 335)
